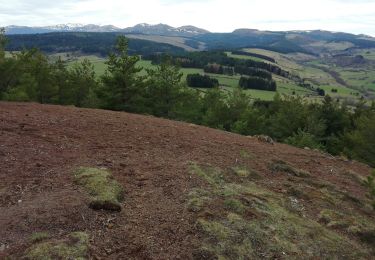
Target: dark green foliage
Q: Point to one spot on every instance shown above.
(361, 141)
(218, 69)
(253, 72)
(122, 87)
(85, 42)
(83, 84)
(215, 110)
(206, 58)
(30, 76)
(321, 92)
(201, 81)
(3, 41)
(303, 139)
(164, 90)
(257, 83)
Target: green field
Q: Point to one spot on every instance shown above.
(359, 79)
(227, 83)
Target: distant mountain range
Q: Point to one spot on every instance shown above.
(191, 38)
(142, 28)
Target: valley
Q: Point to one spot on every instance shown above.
(359, 81)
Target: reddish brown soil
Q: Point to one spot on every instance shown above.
(40, 145)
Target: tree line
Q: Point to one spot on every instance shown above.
(257, 83)
(85, 42)
(202, 59)
(256, 55)
(201, 81)
(329, 126)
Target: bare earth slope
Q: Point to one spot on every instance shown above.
(156, 162)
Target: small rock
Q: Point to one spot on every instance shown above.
(38, 164)
(19, 201)
(110, 226)
(265, 139)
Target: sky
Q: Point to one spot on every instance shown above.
(355, 16)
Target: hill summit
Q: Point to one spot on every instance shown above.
(180, 191)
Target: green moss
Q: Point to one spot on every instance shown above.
(234, 205)
(105, 193)
(39, 236)
(74, 246)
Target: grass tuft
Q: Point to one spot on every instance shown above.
(105, 193)
(281, 166)
(38, 236)
(234, 205)
(75, 246)
(244, 172)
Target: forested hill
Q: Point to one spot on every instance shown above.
(309, 42)
(85, 42)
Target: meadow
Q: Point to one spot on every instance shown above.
(227, 83)
(306, 66)
(359, 80)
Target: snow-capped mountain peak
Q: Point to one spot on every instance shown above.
(142, 28)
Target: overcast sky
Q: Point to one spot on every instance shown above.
(356, 16)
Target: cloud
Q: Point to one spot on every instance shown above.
(216, 15)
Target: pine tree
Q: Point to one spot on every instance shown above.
(122, 86)
(82, 83)
(164, 89)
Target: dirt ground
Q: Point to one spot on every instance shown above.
(40, 146)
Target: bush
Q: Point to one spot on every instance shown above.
(303, 139)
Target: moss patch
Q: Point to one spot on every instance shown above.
(248, 221)
(74, 246)
(39, 236)
(197, 200)
(105, 193)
